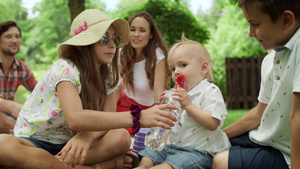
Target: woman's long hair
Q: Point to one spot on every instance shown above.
(128, 57)
(92, 78)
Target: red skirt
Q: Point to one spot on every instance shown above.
(124, 105)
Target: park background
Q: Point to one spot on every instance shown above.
(222, 29)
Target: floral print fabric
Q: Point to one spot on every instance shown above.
(41, 116)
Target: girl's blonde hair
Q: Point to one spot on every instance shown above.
(92, 78)
(202, 52)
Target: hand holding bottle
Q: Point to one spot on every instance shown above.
(157, 137)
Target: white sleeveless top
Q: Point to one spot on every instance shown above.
(143, 94)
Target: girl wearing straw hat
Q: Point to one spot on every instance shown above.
(77, 95)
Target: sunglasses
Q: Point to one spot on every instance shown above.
(107, 38)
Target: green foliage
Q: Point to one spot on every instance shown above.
(173, 19)
(94, 4)
(211, 18)
(44, 33)
(12, 10)
(125, 6)
(231, 39)
(226, 3)
(223, 29)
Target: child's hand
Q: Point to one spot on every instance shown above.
(161, 97)
(157, 116)
(75, 151)
(181, 95)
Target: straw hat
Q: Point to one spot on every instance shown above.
(90, 26)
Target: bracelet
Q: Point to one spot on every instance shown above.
(135, 112)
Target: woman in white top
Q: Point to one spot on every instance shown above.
(143, 66)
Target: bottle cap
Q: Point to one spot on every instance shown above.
(180, 81)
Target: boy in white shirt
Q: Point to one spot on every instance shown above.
(268, 137)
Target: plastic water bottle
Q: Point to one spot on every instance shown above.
(157, 137)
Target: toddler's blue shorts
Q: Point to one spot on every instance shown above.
(180, 157)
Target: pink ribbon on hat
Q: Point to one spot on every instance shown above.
(84, 27)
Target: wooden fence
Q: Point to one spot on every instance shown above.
(242, 81)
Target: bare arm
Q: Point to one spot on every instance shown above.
(119, 92)
(75, 151)
(6, 123)
(246, 123)
(10, 106)
(79, 119)
(110, 102)
(295, 128)
(159, 79)
(120, 87)
(201, 116)
(109, 106)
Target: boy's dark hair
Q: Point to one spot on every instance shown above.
(4, 26)
(274, 8)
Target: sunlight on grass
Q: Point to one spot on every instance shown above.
(21, 94)
(234, 115)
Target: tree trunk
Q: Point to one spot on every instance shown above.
(76, 6)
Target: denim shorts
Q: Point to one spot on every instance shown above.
(180, 157)
(51, 148)
(248, 155)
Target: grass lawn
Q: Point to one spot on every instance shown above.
(21, 94)
(234, 115)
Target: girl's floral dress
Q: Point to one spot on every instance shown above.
(41, 116)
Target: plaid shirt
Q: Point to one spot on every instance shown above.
(19, 74)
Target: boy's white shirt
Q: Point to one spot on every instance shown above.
(280, 78)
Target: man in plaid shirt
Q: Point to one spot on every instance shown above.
(13, 73)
